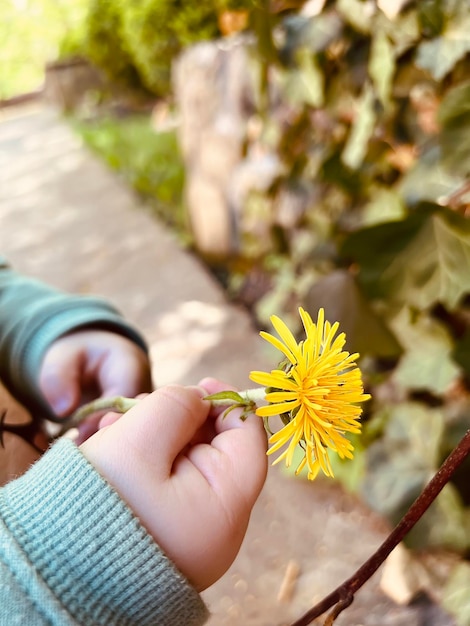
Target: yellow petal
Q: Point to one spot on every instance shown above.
(286, 336)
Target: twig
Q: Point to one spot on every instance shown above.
(339, 608)
(414, 513)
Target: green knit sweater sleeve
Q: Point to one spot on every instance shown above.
(71, 552)
(34, 315)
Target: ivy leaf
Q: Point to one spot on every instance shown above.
(427, 362)
(439, 55)
(361, 130)
(382, 66)
(358, 14)
(404, 459)
(315, 34)
(435, 266)
(431, 17)
(304, 85)
(454, 117)
(403, 31)
(429, 180)
(421, 261)
(385, 205)
(445, 524)
(375, 248)
(455, 105)
(455, 597)
(461, 353)
(343, 302)
(400, 465)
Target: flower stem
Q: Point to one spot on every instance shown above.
(345, 592)
(118, 404)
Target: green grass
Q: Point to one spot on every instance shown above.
(148, 161)
(32, 33)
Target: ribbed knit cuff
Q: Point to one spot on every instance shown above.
(90, 549)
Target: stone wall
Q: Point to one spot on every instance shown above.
(215, 88)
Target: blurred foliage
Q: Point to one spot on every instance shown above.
(34, 32)
(104, 45)
(136, 42)
(147, 160)
(369, 117)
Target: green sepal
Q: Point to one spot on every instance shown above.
(286, 418)
(227, 395)
(266, 426)
(248, 410)
(233, 400)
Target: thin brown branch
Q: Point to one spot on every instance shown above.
(414, 513)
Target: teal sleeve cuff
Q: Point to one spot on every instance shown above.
(32, 317)
(72, 314)
(83, 542)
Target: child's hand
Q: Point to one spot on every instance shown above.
(88, 364)
(191, 476)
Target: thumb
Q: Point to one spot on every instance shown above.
(59, 384)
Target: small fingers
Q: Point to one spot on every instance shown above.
(59, 381)
(162, 424)
(125, 371)
(242, 445)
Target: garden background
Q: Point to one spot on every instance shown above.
(345, 139)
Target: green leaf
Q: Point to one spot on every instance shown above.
(382, 66)
(399, 466)
(427, 362)
(454, 117)
(343, 302)
(358, 14)
(439, 55)
(461, 353)
(404, 459)
(375, 248)
(430, 179)
(304, 85)
(435, 266)
(262, 22)
(455, 105)
(361, 130)
(455, 597)
(315, 34)
(431, 17)
(420, 261)
(385, 205)
(350, 472)
(403, 31)
(445, 524)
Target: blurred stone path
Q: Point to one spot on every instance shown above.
(67, 220)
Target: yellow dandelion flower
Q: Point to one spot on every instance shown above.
(316, 394)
